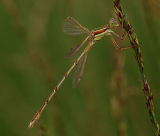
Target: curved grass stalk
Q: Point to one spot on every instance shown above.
(124, 22)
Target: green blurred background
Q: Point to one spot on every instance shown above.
(108, 101)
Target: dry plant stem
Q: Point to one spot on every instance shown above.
(135, 44)
(36, 34)
(43, 130)
(120, 94)
(12, 10)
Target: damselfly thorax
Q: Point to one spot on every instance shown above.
(101, 32)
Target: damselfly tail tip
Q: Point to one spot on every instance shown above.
(34, 120)
(30, 125)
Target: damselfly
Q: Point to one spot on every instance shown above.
(73, 27)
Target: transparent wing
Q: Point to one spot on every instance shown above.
(74, 50)
(71, 26)
(79, 70)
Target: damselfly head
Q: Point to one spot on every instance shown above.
(113, 22)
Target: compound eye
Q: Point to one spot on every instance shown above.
(113, 22)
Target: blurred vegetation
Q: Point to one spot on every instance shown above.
(109, 99)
